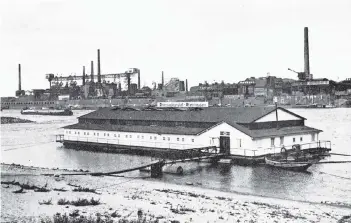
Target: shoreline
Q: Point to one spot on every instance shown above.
(13, 120)
(127, 195)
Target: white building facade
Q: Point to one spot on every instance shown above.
(262, 135)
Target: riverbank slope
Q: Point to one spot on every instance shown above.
(128, 198)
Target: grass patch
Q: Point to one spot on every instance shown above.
(75, 218)
(42, 189)
(60, 189)
(48, 202)
(79, 202)
(84, 189)
(63, 201)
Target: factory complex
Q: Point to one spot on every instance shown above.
(105, 90)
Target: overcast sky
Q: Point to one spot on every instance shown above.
(194, 39)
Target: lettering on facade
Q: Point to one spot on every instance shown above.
(182, 104)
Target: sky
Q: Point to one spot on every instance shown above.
(198, 40)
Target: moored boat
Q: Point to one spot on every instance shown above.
(65, 112)
(288, 164)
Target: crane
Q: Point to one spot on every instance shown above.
(127, 74)
(301, 75)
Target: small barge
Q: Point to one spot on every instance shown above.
(288, 164)
(65, 112)
(244, 134)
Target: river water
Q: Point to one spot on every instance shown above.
(33, 144)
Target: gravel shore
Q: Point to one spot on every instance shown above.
(129, 199)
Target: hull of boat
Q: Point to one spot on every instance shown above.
(288, 165)
(52, 113)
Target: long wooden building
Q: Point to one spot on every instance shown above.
(251, 131)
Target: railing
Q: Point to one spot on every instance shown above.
(244, 152)
(304, 146)
(271, 150)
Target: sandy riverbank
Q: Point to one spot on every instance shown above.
(12, 120)
(121, 198)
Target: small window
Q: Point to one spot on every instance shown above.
(301, 139)
(192, 140)
(150, 137)
(126, 136)
(94, 133)
(281, 140)
(130, 136)
(108, 134)
(118, 135)
(177, 139)
(164, 138)
(169, 139)
(78, 133)
(69, 132)
(115, 135)
(293, 139)
(104, 134)
(97, 134)
(155, 138)
(83, 133)
(182, 139)
(87, 133)
(138, 136)
(272, 142)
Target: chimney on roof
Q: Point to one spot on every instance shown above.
(92, 71)
(186, 85)
(98, 68)
(19, 78)
(306, 53)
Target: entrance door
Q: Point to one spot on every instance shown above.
(224, 144)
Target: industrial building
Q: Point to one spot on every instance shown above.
(250, 132)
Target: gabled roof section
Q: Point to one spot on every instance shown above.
(280, 108)
(209, 115)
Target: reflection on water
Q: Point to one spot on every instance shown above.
(33, 144)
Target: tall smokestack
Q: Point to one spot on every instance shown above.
(138, 79)
(83, 75)
(98, 71)
(306, 53)
(186, 85)
(19, 77)
(163, 80)
(92, 71)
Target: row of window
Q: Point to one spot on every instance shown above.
(294, 140)
(127, 136)
(29, 103)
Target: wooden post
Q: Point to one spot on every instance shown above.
(276, 113)
(156, 170)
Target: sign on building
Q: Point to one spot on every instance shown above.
(224, 133)
(63, 97)
(182, 104)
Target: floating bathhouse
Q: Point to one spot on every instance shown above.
(251, 132)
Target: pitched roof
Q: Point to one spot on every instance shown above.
(211, 115)
(261, 133)
(139, 128)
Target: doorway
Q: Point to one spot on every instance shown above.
(224, 144)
